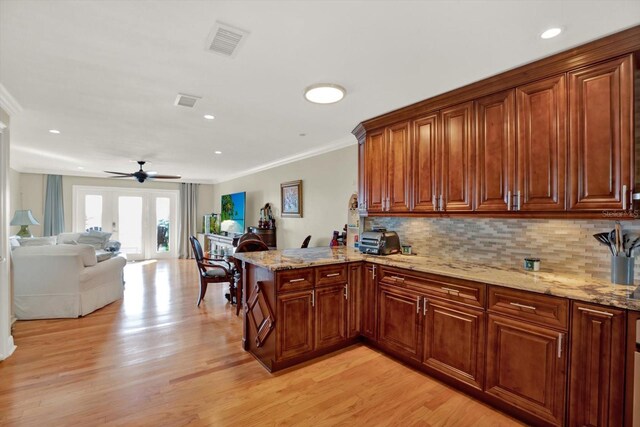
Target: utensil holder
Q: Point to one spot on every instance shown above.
(622, 270)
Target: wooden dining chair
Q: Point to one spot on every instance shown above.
(210, 271)
(247, 245)
(305, 243)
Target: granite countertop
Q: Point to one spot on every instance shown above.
(544, 282)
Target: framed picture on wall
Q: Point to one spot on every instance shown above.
(291, 199)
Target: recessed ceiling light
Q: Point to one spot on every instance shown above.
(551, 33)
(55, 131)
(218, 152)
(81, 167)
(324, 93)
(209, 117)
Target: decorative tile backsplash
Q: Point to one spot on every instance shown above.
(564, 246)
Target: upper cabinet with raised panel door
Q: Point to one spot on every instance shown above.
(495, 152)
(553, 138)
(387, 168)
(457, 158)
(541, 145)
(600, 135)
(425, 169)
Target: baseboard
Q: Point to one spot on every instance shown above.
(13, 319)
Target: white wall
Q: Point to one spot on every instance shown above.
(33, 187)
(328, 180)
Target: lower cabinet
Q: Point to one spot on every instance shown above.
(526, 367)
(352, 293)
(596, 381)
(400, 318)
(454, 341)
(369, 302)
(330, 316)
(294, 330)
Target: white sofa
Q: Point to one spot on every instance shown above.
(63, 280)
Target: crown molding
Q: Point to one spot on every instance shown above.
(333, 146)
(8, 103)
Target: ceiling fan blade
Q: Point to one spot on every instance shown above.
(165, 177)
(122, 176)
(120, 173)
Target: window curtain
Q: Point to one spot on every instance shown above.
(188, 217)
(53, 206)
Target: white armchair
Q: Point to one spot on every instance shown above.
(63, 281)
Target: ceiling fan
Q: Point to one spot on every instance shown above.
(141, 176)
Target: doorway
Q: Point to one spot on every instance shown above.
(145, 222)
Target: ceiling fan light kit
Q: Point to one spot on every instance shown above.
(141, 176)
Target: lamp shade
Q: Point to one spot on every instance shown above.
(24, 217)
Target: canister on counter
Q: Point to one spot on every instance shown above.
(532, 264)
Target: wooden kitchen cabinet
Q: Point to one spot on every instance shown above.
(495, 152)
(330, 311)
(596, 379)
(457, 158)
(454, 340)
(600, 135)
(541, 145)
(526, 367)
(353, 292)
(362, 188)
(399, 321)
(398, 167)
(425, 167)
(369, 301)
(376, 171)
(295, 325)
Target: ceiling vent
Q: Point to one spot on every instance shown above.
(225, 39)
(186, 100)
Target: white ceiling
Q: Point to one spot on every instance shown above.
(106, 73)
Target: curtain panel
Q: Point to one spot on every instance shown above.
(188, 217)
(53, 206)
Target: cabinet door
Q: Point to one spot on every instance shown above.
(425, 171)
(457, 155)
(596, 381)
(495, 151)
(541, 144)
(454, 341)
(369, 302)
(353, 295)
(330, 316)
(601, 117)
(294, 324)
(362, 187)
(398, 168)
(400, 320)
(376, 172)
(526, 367)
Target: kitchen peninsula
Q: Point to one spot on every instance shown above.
(521, 341)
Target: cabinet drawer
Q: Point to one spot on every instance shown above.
(468, 293)
(294, 280)
(331, 275)
(542, 309)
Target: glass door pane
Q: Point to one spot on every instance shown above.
(93, 212)
(129, 227)
(163, 224)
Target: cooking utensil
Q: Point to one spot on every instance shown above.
(612, 241)
(618, 229)
(603, 239)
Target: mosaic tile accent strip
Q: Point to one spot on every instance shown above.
(563, 246)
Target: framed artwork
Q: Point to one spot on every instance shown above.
(291, 199)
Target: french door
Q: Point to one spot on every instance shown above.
(145, 222)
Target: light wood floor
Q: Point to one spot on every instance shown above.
(155, 359)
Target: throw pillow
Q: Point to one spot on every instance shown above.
(70, 242)
(38, 241)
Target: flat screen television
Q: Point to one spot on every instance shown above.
(232, 207)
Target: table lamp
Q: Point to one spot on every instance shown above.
(24, 218)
